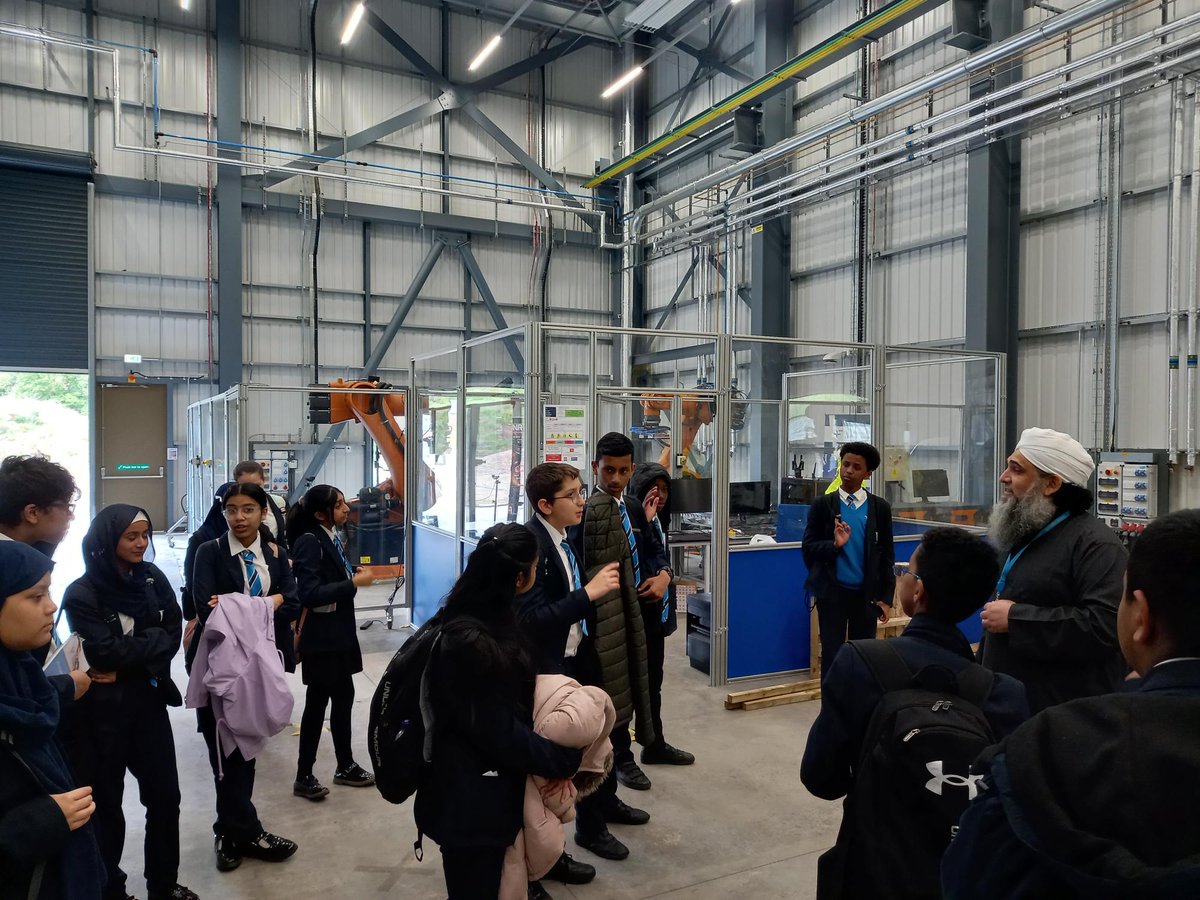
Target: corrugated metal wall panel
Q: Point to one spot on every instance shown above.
(1056, 382)
(1059, 165)
(150, 237)
(924, 293)
(821, 24)
(1146, 144)
(396, 254)
(1058, 270)
(564, 85)
(926, 203)
(580, 279)
(39, 65)
(1142, 389)
(176, 338)
(823, 234)
(1144, 243)
(823, 306)
(42, 121)
(274, 91)
(575, 140)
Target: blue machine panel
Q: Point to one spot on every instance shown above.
(768, 617)
(433, 571)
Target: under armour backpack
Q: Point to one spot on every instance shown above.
(400, 728)
(913, 779)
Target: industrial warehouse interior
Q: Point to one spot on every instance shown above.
(504, 449)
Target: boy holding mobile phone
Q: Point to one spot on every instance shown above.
(849, 553)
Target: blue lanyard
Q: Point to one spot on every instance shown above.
(1012, 560)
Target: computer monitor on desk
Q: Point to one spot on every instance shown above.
(691, 495)
(929, 483)
(749, 498)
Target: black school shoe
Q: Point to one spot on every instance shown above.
(309, 788)
(268, 847)
(568, 871)
(179, 892)
(621, 813)
(631, 776)
(537, 892)
(603, 845)
(663, 754)
(353, 775)
(229, 857)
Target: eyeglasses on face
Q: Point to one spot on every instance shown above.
(573, 496)
(902, 569)
(67, 505)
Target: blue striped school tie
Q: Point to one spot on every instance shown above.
(576, 577)
(337, 542)
(637, 568)
(253, 582)
(666, 610)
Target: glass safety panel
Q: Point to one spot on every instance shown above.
(435, 400)
(494, 433)
(941, 421)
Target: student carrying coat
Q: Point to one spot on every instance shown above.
(242, 562)
(481, 680)
(47, 848)
(328, 635)
(125, 611)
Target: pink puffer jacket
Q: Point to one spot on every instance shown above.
(573, 716)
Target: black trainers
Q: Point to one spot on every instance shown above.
(309, 788)
(663, 754)
(353, 775)
(268, 847)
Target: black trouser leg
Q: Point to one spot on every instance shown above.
(656, 652)
(152, 762)
(862, 617)
(315, 700)
(341, 698)
(110, 748)
(472, 873)
(237, 819)
(589, 812)
(621, 743)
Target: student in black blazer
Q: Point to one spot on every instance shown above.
(251, 472)
(850, 554)
(554, 611)
(327, 638)
(221, 567)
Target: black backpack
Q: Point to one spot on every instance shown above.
(913, 779)
(400, 728)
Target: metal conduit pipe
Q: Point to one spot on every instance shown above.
(978, 62)
(1194, 286)
(855, 154)
(855, 173)
(989, 100)
(248, 164)
(1173, 242)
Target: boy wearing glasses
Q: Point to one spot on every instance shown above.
(554, 611)
(37, 502)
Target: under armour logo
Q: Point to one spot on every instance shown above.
(934, 784)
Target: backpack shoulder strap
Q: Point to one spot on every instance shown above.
(888, 667)
(975, 684)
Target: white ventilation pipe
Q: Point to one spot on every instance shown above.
(1194, 286)
(1174, 241)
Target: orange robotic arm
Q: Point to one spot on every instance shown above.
(694, 413)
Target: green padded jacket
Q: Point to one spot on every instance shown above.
(619, 636)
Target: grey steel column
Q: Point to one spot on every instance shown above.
(770, 250)
(993, 285)
(229, 194)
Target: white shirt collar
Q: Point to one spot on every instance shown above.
(331, 533)
(557, 536)
(860, 496)
(5, 537)
(1175, 659)
(236, 547)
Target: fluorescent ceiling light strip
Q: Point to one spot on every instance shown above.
(484, 53)
(356, 16)
(622, 81)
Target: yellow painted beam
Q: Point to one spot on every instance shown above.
(864, 29)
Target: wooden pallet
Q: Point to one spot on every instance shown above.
(776, 695)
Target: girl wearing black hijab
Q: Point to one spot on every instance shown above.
(482, 680)
(47, 849)
(125, 610)
(328, 640)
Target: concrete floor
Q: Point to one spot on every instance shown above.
(736, 824)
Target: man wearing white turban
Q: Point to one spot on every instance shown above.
(1053, 624)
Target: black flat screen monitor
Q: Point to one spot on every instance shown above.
(928, 483)
(691, 495)
(749, 498)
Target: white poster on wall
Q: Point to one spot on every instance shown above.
(564, 435)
